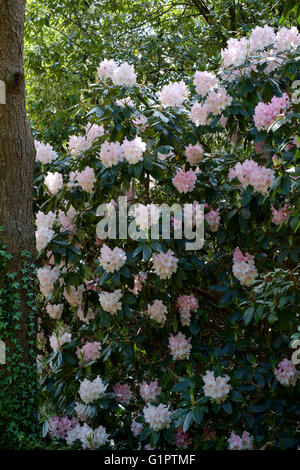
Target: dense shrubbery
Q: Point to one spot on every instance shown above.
(185, 348)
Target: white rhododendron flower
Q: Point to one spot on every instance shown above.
(54, 182)
(165, 264)
(91, 390)
(216, 388)
(112, 260)
(124, 75)
(157, 311)
(133, 150)
(111, 153)
(159, 417)
(44, 152)
(55, 311)
(110, 301)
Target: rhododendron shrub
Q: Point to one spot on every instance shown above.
(147, 344)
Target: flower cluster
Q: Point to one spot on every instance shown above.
(243, 267)
(133, 150)
(184, 181)
(180, 346)
(216, 388)
(204, 82)
(186, 304)
(245, 442)
(91, 390)
(44, 152)
(157, 311)
(287, 374)
(194, 154)
(85, 178)
(280, 215)
(159, 417)
(90, 351)
(112, 260)
(151, 391)
(111, 153)
(165, 264)
(216, 102)
(250, 173)
(213, 219)
(265, 114)
(54, 182)
(59, 427)
(174, 94)
(110, 301)
(89, 438)
(123, 393)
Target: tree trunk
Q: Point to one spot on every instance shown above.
(17, 151)
(17, 155)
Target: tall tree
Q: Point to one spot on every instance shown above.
(17, 154)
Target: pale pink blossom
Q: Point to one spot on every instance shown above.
(243, 267)
(180, 346)
(164, 264)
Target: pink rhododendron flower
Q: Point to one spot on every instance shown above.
(182, 440)
(280, 215)
(180, 346)
(44, 152)
(194, 154)
(174, 94)
(111, 153)
(204, 82)
(136, 428)
(110, 301)
(265, 114)
(151, 391)
(186, 304)
(77, 144)
(124, 75)
(106, 68)
(165, 264)
(91, 390)
(133, 150)
(243, 267)
(55, 311)
(74, 295)
(47, 277)
(157, 311)
(123, 393)
(112, 260)
(184, 181)
(287, 38)
(93, 132)
(236, 442)
(261, 38)
(90, 351)
(236, 52)
(287, 374)
(85, 178)
(59, 427)
(250, 173)
(213, 219)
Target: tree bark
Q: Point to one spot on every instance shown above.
(17, 152)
